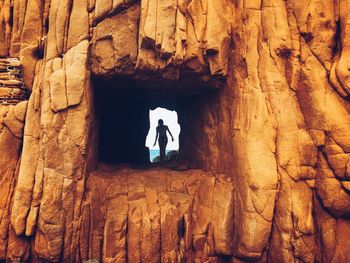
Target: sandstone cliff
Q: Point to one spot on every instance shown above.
(262, 92)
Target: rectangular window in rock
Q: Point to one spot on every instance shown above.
(127, 114)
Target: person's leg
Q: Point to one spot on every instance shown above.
(162, 146)
(165, 142)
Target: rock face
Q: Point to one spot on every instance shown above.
(262, 93)
(156, 216)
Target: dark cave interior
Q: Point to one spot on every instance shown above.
(122, 107)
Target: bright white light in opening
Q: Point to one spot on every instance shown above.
(170, 119)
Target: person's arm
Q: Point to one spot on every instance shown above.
(155, 141)
(172, 138)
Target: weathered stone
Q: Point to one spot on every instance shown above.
(270, 142)
(110, 54)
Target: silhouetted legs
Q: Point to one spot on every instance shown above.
(163, 141)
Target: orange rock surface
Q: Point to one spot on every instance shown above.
(262, 92)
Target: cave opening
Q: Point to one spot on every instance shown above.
(170, 119)
(123, 106)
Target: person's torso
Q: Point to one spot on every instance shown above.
(162, 131)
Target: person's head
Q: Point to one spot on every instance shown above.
(160, 122)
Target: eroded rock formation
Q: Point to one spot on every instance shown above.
(262, 92)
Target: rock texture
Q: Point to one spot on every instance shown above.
(168, 39)
(12, 90)
(156, 216)
(262, 92)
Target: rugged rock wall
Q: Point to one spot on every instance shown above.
(262, 92)
(156, 216)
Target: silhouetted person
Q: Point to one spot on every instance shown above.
(163, 138)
